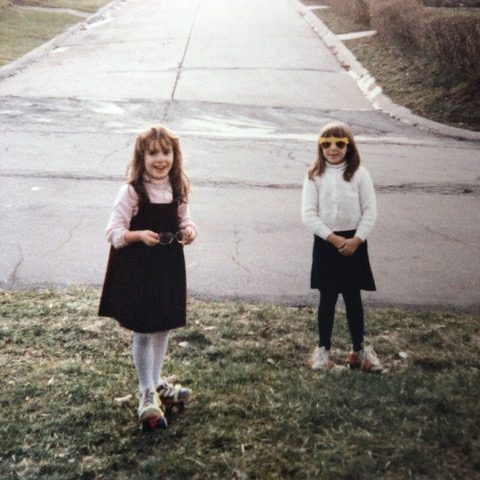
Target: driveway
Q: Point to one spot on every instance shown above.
(246, 84)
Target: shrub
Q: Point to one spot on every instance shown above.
(451, 3)
(355, 10)
(455, 40)
(398, 21)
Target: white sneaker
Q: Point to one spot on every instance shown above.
(365, 360)
(320, 359)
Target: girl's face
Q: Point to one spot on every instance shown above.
(334, 151)
(158, 160)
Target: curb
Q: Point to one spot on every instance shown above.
(368, 85)
(16, 66)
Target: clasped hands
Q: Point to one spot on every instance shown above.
(345, 246)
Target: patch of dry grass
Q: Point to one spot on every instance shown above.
(69, 407)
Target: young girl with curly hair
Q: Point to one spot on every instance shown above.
(145, 282)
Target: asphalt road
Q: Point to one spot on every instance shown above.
(247, 84)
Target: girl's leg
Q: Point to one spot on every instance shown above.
(142, 351)
(326, 315)
(170, 395)
(160, 345)
(143, 358)
(354, 309)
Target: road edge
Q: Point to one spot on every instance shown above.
(369, 86)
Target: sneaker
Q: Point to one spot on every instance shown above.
(149, 406)
(320, 359)
(172, 394)
(365, 360)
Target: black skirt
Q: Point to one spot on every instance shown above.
(145, 287)
(333, 271)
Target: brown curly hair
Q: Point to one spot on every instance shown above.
(136, 168)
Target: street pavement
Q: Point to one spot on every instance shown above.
(246, 84)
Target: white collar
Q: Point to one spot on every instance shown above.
(336, 166)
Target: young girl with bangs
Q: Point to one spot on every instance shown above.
(145, 281)
(339, 207)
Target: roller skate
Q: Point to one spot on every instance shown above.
(365, 360)
(150, 413)
(173, 396)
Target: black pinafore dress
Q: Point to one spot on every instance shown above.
(333, 271)
(145, 287)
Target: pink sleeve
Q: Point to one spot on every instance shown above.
(124, 208)
(184, 217)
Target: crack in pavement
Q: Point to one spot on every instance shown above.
(69, 238)
(180, 65)
(236, 252)
(464, 189)
(115, 151)
(12, 279)
(446, 237)
(452, 239)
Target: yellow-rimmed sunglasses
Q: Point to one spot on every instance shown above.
(340, 142)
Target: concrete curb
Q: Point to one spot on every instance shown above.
(16, 66)
(368, 85)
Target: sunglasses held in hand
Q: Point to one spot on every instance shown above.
(166, 238)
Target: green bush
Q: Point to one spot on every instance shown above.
(399, 22)
(355, 10)
(454, 41)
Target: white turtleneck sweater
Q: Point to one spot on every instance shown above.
(126, 206)
(329, 203)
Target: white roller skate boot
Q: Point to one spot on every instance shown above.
(150, 413)
(173, 396)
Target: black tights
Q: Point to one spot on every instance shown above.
(326, 315)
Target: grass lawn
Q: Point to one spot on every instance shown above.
(258, 412)
(82, 5)
(23, 30)
(426, 87)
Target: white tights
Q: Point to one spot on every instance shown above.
(149, 350)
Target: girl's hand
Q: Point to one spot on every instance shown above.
(350, 246)
(336, 240)
(148, 237)
(189, 235)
